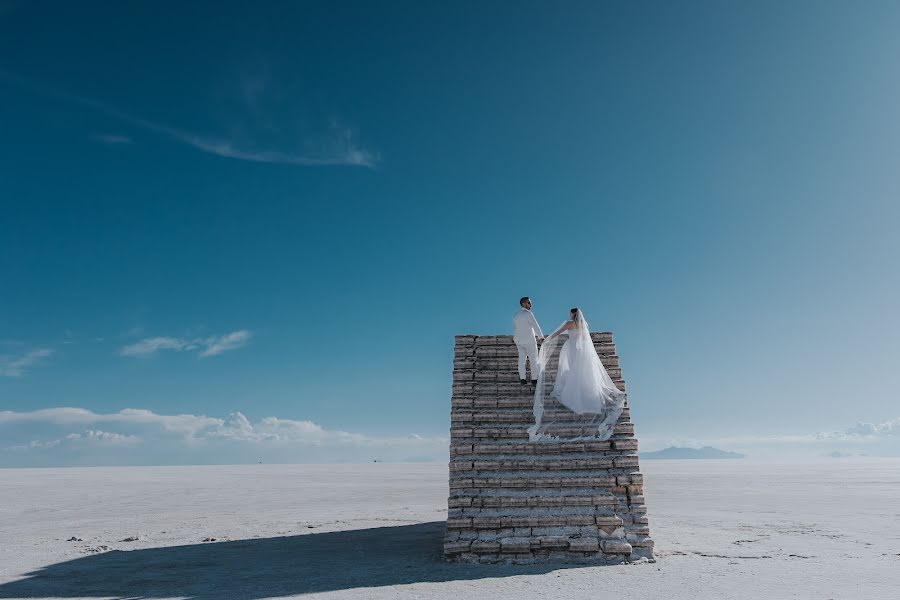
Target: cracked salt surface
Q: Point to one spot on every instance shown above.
(738, 530)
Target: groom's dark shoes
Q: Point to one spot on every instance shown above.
(534, 382)
(522, 381)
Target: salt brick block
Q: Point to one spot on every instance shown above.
(486, 522)
(512, 403)
(515, 483)
(584, 545)
(602, 481)
(605, 500)
(514, 501)
(640, 541)
(515, 545)
(484, 403)
(556, 541)
(484, 546)
(551, 481)
(608, 521)
(459, 522)
(623, 462)
(456, 547)
(615, 547)
(484, 465)
(625, 444)
(578, 501)
(550, 501)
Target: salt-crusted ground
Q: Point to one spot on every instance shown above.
(723, 529)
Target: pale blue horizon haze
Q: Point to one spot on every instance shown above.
(235, 233)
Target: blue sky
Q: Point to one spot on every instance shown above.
(286, 211)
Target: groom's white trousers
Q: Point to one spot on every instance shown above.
(530, 351)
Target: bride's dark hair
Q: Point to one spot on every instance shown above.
(574, 312)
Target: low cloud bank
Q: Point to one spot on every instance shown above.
(77, 436)
(862, 439)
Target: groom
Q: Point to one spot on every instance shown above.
(525, 329)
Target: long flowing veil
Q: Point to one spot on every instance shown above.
(575, 398)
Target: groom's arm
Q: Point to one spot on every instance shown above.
(537, 327)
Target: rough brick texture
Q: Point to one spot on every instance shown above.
(512, 500)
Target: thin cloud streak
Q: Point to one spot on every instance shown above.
(219, 344)
(151, 345)
(351, 155)
(211, 346)
(111, 139)
(16, 366)
(345, 152)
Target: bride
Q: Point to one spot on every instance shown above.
(580, 383)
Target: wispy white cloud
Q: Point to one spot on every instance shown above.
(338, 148)
(151, 345)
(340, 151)
(16, 365)
(112, 139)
(208, 346)
(218, 344)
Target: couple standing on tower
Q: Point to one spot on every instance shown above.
(580, 381)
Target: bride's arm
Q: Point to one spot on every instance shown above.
(566, 326)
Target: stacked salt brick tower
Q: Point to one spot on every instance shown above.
(512, 500)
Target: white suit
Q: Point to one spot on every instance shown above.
(525, 328)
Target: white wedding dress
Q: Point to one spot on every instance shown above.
(590, 401)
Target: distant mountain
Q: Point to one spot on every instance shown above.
(837, 454)
(705, 452)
